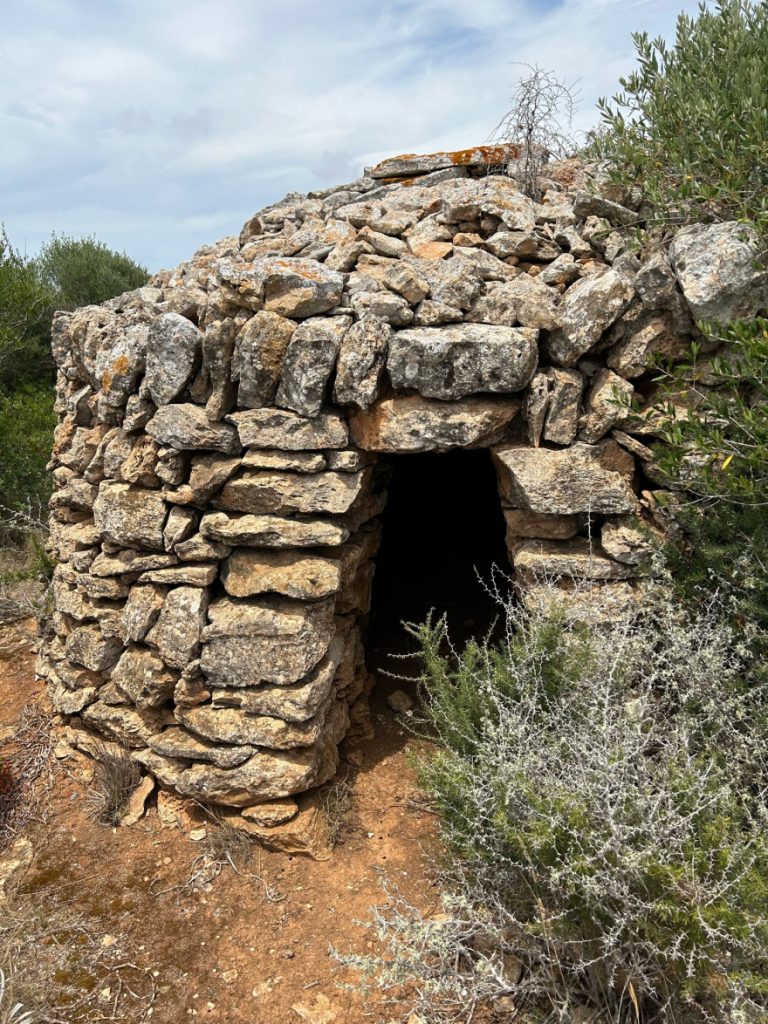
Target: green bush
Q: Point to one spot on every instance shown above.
(27, 420)
(602, 798)
(84, 272)
(25, 310)
(690, 125)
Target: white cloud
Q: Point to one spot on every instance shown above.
(162, 127)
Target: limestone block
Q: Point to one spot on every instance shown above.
(496, 196)
(415, 424)
(582, 478)
(361, 361)
(218, 350)
(258, 358)
(179, 525)
(456, 361)
(291, 287)
(207, 475)
(587, 309)
(630, 539)
(140, 612)
(232, 725)
(562, 419)
(535, 405)
(271, 531)
(287, 431)
(250, 571)
(309, 362)
(131, 727)
(296, 462)
(432, 314)
(276, 812)
(605, 405)
(297, 702)
(71, 702)
(633, 355)
(265, 776)
(186, 427)
(100, 589)
(177, 632)
(281, 493)
(199, 549)
(143, 677)
(178, 743)
(87, 646)
(408, 282)
(456, 282)
(522, 523)
(272, 640)
(129, 561)
(201, 575)
(576, 559)
(307, 832)
(525, 300)
(174, 346)
(384, 306)
(591, 603)
(715, 266)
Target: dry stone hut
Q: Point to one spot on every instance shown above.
(222, 433)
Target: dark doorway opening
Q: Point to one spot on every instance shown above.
(443, 531)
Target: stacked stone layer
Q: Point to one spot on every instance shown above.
(217, 471)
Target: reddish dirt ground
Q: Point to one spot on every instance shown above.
(227, 952)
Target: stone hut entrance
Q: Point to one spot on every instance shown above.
(442, 533)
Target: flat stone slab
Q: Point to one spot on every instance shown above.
(582, 478)
(271, 640)
(186, 427)
(457, 360)
(249, 571)
(410, 423)
(272, 531)
(126, 515)
(287, 431)
(408, 164)
(282, 493)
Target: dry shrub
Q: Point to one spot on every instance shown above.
(116, 776)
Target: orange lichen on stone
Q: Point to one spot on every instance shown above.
(492, 155)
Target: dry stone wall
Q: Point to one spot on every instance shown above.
(217, 460)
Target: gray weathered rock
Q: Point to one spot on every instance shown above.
(287, 431)
(271, 531)
(562, 418)
(715, 265)
(522, 523)
(589, 204)
(582, 478)
(232, 725)
(415, 424)
(605, 405)
(143, 677)
(177, 632)
(258, 358)
(525, 300)
(178, 743)
(309, 362)
(453, 362)
(174, 346)
(535, 405)
(297, 702)
(186, 427)
(633, 355)
(199, 575)
(587, 309)
(140, 612)
(127, 515)
(131, 727)
(361, 361)
(292, 287)
(208, 474)
(282, 493)
(575, 559)
(629, 539)
(272, 640)
(295, 462)
(293, 574)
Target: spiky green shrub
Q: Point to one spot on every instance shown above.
(602, 793)
(690, 124)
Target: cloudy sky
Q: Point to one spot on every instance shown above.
(159, 125)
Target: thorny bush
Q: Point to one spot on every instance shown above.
(602, 792)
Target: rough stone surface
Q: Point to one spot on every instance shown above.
(715, 265)
(605, 405)
(582, 478)
(174, 345)
(456, 361)
(587, 309)
(309, 362)
(176, 635)
(127, 515)
(361, 361)
(284, 493)
(271, 531)
(258, 357)
(415, 424)
(186, 427)
(143, 677)
(307, 577)
(576, 559)
(276, 428)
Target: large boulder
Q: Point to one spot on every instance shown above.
(455, 361)
(717, 270)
